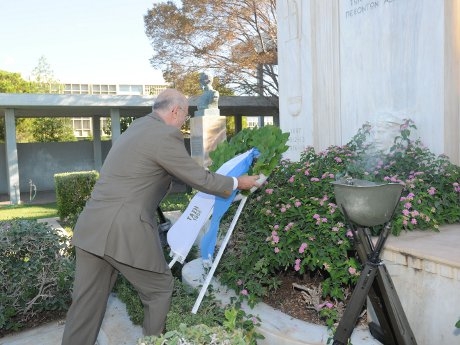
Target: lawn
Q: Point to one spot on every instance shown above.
(172, 202)
(28, 211)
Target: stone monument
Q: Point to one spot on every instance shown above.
(207, 127)
(342, 63)
(345, 62)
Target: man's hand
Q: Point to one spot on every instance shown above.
(246, 182)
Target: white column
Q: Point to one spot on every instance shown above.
(115, 120)
(12, 157)
(452, 81)
(97, 142)
(295, 74)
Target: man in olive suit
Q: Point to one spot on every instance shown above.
(117, 230)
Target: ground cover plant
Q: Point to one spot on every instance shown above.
(212, 324)
(293, 225)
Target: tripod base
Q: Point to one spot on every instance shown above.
(375, 282)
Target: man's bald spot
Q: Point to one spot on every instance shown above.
(168, 98)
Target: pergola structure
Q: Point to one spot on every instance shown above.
(14, 106)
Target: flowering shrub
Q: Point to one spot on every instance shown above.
(293, 223)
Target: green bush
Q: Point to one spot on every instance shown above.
(197, 335)
(35, 269)
(293, 224)
(72, 191)
(269, 140)
(180, 312)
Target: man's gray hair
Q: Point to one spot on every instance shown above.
(163, 104)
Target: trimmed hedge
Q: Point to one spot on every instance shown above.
(72, 191)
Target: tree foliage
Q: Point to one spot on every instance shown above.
(52, 129)
(44, 79)
(48, 129)
(11, 82)
(236, 39)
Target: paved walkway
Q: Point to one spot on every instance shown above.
(117, 329)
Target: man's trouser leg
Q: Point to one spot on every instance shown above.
(94, 280)
(155, 290)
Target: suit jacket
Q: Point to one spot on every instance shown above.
(119, 219)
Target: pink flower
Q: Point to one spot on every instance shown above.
(307, 172)
(291, 179)
(276, 227)
(432, 191)
(297, 203)
(289, 226)
(276, 250)
(314, 179)
(407, 205)
(302, 248)
(327, 305)
(297, 265)
(269, 191)
(239, 282)
(413, 221)
(244, 292)
(352, 270)
(316, 216)
(283, 209)
(349, 234)
(338, 159)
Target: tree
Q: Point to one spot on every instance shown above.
(52, 129)
(234, 38)
(43, 76)
(11, 82)
(36, 129)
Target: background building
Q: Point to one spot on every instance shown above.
(82, 126)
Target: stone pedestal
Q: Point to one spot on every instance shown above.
(205, 133)
(207, 112)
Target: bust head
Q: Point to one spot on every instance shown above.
(206, 80)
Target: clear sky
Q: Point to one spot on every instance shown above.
(83, 41)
